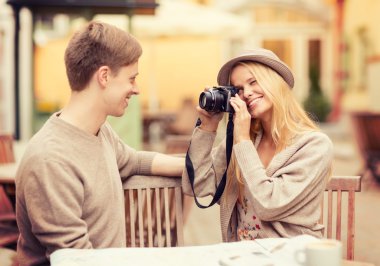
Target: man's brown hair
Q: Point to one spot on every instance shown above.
(98, 44)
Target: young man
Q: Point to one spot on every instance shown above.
(69, 183)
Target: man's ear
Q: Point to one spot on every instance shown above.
(103, 74)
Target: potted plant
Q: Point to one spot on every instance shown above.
(316, 104)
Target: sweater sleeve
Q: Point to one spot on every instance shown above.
(53, 201)
(130, 162)
(298, 179)
(209, 164)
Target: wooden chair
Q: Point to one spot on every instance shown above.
(6, 149)
(6, 156)
(153, 211)
(8, 226)
(343, 207)
(366, 131)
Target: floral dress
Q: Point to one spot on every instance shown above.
(249, 224)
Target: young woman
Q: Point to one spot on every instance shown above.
(280, 160)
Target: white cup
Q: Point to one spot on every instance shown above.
(320, 253)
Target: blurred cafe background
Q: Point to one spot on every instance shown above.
(185, 42)
(333, 47)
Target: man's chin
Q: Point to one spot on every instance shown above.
(118, 114)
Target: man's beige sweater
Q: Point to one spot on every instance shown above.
(69, 190)
(286, 195)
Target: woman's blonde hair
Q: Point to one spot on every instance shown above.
(288, 117)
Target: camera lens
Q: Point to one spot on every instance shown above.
(211, 101)
(205, 100)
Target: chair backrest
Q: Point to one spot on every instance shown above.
(6, 149)
(6, 156)
(153, 211)
(341, 208)
(8, 227)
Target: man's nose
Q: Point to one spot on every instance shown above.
(136, 90)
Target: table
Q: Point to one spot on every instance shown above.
(270, 251)
(8, 173)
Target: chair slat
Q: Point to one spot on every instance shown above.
(329, 213)
(158, 218)
(149, 218)
(179, 219)
(132, 217)
(339, 215)
(322, 210)
(167, 217)
(351, 225)
(140, 211)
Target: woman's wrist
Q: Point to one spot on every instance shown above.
(239, 139)
(208, 128)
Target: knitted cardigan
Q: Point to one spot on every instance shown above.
(286, 195)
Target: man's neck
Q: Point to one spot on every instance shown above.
(83, 112)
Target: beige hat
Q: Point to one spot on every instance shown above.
(259, 55)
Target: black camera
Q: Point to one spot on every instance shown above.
(217, 99)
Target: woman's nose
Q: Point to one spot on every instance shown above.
(247, 92)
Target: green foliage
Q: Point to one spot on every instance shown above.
(316, 103)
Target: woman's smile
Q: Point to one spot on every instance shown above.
(252, 103)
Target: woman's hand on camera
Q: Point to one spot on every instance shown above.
(242, 119)
(210, 120)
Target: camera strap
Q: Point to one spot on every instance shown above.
(222, 184)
